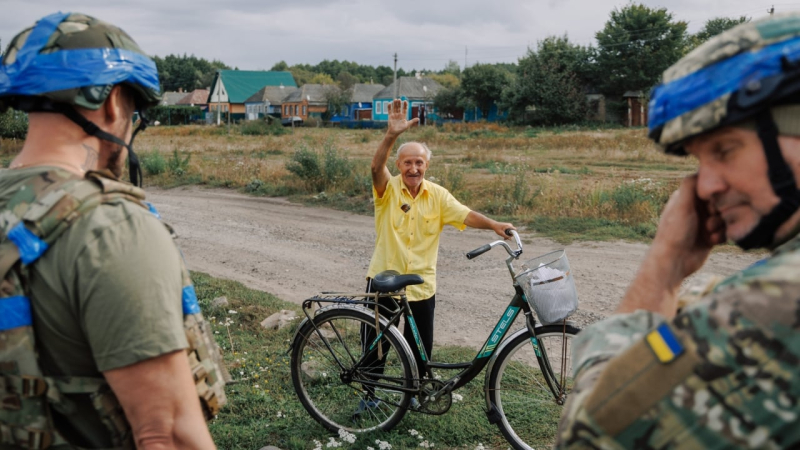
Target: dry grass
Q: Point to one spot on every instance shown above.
(567, 179)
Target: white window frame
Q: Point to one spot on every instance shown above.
(379, 111)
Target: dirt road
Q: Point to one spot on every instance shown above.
(293, 251)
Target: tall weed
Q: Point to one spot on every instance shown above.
(178, 166)
(154, 163)
(321, 171)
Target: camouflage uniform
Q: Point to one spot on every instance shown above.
(725, 372)
(736, 384)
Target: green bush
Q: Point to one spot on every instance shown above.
(321, 171)
(174, 115)
(262, 128)
(154, 163)
(178, 166)
(13, 124)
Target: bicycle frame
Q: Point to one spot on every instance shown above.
(468, 370)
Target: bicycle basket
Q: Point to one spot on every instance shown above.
(549, 287)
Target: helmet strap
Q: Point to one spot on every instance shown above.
(90, 128)
(783, 184)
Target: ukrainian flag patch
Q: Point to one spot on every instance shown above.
(664, 343)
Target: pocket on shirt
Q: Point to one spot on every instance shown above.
(430, 224)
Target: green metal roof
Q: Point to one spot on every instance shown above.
(241, 84)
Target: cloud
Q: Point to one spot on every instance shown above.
(255, 34)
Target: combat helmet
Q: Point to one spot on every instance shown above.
(748, 74)
(71, 59)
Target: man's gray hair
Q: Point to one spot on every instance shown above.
(421, 144)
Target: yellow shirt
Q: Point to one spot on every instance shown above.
(408, 242)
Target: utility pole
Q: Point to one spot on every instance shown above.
(465, 57)
(395, 75)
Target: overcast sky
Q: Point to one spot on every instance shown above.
(255, 34)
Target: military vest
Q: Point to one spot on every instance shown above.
(34, 218)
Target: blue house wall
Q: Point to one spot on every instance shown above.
(380, 114)
(350, 109)
(475, 114)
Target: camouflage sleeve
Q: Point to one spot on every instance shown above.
(593, 348)
(607, 338)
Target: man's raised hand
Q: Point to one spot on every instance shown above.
(398, 111)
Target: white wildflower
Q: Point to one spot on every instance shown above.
(347, 437)
(232, 311)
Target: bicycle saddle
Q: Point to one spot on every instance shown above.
(392, 280)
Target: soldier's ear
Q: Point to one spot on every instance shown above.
(118, 106)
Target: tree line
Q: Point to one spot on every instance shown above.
(547, 85)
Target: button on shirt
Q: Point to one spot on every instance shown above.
(408, 242)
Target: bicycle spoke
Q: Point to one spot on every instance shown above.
(357, 395)
(520, 387)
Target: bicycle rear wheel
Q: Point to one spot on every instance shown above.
(328, 370)
(526, 394)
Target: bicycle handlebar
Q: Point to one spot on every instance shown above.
(485, 248)
(479, 251)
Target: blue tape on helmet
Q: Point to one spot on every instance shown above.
(189, 300)
(39, 36)
(30, 246)
(680, 96)
(33, 73)
(15, 312)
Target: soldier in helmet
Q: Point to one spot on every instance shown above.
(101, 340)
(724, 372)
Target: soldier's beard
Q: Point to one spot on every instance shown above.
(116, 162)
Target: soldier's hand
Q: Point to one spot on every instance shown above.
(688, 229)
(398, 111)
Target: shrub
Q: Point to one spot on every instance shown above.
(178, 166)
(262, 128)
(174, 115)
(13, 124)
(154, 163)
(320, 171)
(305, 164)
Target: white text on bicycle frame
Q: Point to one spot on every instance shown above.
(499, 331)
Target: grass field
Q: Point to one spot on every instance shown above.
(566, 183)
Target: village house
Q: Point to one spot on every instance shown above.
(267, 101)
(360, 106)
(230, 89)
(419, 91)
(308, 101)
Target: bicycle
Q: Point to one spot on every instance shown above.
(329, 350)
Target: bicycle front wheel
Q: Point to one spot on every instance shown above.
(341, 382)
(528, 390)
